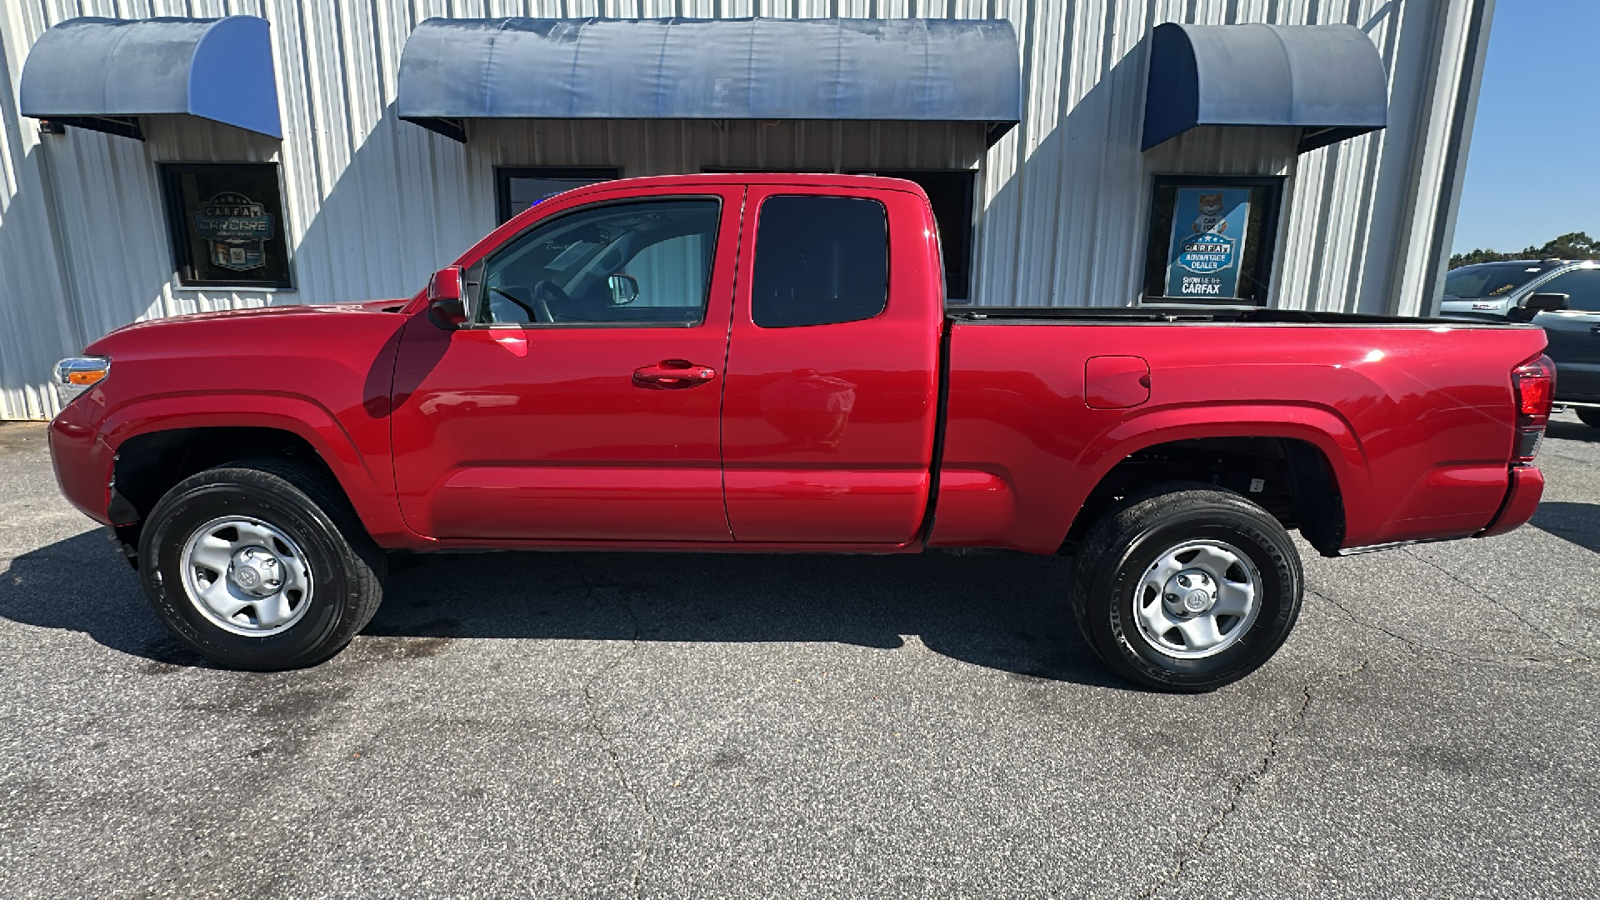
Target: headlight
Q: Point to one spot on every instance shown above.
(77, 374)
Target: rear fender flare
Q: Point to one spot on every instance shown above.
(1317, 426)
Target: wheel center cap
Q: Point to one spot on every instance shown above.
(256, 571)
(1197, 601)
(1190, 593)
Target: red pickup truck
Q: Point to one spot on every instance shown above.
(766, 363)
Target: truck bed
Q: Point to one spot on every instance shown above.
(1179, 315)
(1412, 418)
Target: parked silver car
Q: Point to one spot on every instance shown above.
(1490, 290)
(1506, 290)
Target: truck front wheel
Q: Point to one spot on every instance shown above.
(260, 565)
(1186, 588)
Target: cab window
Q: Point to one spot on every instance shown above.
(637, 263)
(820, 261)
(1582, 288)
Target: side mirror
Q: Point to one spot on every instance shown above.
(445, 306)
(624, 289)
(1535, 304)
(1546, 302)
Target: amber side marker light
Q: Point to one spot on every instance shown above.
(77, 374)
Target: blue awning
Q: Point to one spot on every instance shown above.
(1326, 79)
(811, 69)
(104, 73)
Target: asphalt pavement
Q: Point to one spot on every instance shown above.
(594, 725)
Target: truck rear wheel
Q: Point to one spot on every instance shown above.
(1187, 588)
(260, 565)
(1588, 415)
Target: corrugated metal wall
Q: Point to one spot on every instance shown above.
(373, 204)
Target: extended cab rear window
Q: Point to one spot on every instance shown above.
(820, 261)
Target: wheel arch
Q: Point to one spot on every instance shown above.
(1309, 459)
(159, 442)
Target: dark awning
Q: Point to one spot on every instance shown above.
(1326, 79)
(102, 73)
(820, 69)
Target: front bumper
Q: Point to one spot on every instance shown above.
(82, 461)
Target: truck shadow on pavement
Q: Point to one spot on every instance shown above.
(1003, 611)
(1578, 523)
(1572, 431)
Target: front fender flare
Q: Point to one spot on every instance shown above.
(366, 480)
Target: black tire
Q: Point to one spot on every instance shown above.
(1588, 415)
(296, 500)
(1119, 549)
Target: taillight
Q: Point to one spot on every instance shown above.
(1534, 383)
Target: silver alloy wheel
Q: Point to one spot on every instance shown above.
(1197, 599)
(247, 576)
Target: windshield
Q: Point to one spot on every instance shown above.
(1488, 280)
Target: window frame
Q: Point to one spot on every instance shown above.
(969, 227)
(1265, 262)
(888, 257)
(1546, 287)
(183, 264)
(476, 273)
(504, 174)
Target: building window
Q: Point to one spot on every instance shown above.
(950, 193)
(226, 224)
(819, 261)
(1211, 239)
(518, 189)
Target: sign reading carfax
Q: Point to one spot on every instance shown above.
(1208, 228)
(236, 229)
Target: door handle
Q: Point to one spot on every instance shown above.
(1595, 328)
(672, 374)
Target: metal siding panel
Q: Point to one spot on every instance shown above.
(373, 204)
(31, 284)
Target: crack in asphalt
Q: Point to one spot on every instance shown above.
(1415, 646)
(1420, 648)
(608, 744)
(1243, 782)
(1497, 602)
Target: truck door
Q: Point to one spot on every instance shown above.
(1574, 334)
(831, 393)
(583, 400)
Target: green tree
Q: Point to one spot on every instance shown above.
(1473, 257)
(1575, 245)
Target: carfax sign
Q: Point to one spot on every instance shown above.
(1208, 228)
(237, 229)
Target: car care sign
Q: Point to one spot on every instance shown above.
(236, 230)
(1208, 228)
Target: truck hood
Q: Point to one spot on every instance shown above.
(317, 316)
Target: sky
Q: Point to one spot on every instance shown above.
(1532, 170)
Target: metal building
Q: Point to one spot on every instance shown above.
(1089, 152)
